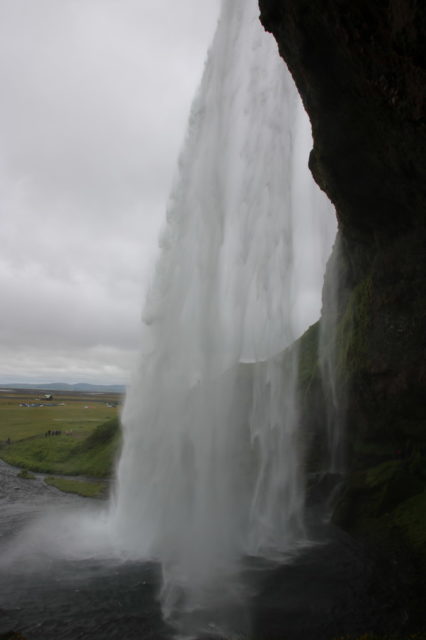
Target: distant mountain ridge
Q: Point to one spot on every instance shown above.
(65, 386)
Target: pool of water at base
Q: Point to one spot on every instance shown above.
(329, 589)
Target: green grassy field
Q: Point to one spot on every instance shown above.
(80, 487)
(89, 440)
(79, 413)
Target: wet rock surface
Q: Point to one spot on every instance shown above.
(360, 70)
(334, 589)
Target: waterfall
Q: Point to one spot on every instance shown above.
(211, 467)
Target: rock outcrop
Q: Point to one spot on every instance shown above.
(360, 70)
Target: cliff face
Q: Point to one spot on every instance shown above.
(360, 69)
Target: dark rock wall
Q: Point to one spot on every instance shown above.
(360, 69)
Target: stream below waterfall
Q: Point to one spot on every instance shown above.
(327, 589)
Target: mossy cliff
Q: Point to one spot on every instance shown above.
(360, 70)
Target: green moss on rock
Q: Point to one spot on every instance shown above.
(387, 505)
(308, 346)
(352, 330)
(409, 520)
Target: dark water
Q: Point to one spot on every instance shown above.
(55, 599)
(332, 588)
(81, 600)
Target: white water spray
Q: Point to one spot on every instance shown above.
(211, 464)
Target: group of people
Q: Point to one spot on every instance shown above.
(52, 432)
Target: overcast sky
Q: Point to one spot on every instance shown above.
(94, 100)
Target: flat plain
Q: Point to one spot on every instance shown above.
(70, 433)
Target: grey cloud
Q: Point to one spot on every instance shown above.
(95, 97)
(103, 365)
